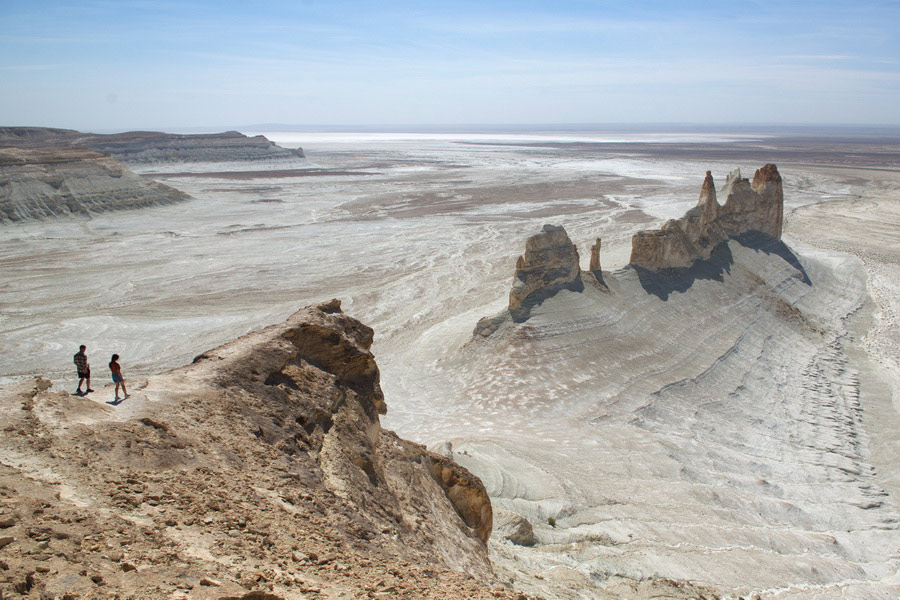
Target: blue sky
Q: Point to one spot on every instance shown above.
(124, 64)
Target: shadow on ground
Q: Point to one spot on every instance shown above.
(537, 298)
(667, 281)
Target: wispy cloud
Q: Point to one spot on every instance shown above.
(818, 57)
(28, 67)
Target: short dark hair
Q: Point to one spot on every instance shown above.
(82, 347)
(114, 357)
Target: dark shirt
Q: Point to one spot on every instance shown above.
(81, 361)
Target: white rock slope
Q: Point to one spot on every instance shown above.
(36, 183)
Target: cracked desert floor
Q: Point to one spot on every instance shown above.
(740, 432)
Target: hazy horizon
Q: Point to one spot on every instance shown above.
(747, 130)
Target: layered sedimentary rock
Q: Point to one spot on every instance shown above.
(151, 147)
(549, 264)
(36, 183)
(260, 468)
(756, 206)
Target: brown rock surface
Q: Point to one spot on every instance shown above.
(748, 207)
(549, 264)
(37, 183)
(595, 256)
(259, 471)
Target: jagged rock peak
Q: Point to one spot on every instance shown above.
(707, 190)
(748, 207)
(549, 264)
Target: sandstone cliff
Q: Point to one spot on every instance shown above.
(756, 206)
(259, 471)
(549, 264)
(152, 147)
(36, 183)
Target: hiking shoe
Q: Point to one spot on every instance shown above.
(89, 390)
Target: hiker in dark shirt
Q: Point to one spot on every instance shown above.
(116, 370)
(84, 369)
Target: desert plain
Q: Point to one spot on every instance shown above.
(736, 429)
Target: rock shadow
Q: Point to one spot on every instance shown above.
(664, 282)
(757, 240)
(537, 298)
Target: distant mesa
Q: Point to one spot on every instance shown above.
(551, 263)
(151, 147)
(48, 172)
(42, 182)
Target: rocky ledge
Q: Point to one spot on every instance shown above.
(154, 147)
(37, 183)
(259, 471)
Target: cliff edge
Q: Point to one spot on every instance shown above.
(259, 471)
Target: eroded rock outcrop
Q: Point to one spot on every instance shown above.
(37, 183)
(549, 264)
(756, 206)
(152, 147)
(261, 468)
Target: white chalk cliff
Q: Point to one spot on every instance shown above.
(37, 183)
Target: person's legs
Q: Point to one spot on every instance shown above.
(80, 381)
(88, 379)
(117, 390)
(124, 391)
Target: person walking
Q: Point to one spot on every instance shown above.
(83, 368)
(116, 370)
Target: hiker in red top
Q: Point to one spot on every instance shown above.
(116, 370)
(84, 370)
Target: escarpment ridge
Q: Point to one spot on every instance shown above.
(37, 183)
(153, 147)
(261, 468)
